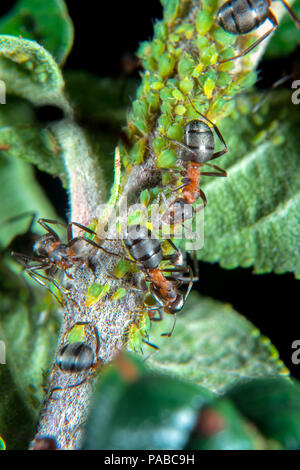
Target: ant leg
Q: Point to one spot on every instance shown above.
(291, 13)
(151, 346)
(44, 223)
(172, 329)
(274, 21)
(64, 388)
(220, 171)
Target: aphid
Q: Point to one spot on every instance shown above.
(51, 254)
(244, 16)
(197, 150)
(148, 254)
(138, 332)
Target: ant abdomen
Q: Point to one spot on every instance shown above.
(242, 16)
(199, 138)
(143, 249)
(75, 357)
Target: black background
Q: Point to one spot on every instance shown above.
(104, 32)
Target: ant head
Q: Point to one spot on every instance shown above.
(175, 306)
(41, 245)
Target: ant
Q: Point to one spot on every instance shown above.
(51, 254)
(78, 357)
(147, 253)
(197, 150)
(244, 16)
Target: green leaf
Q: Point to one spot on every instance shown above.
(30, 72)
(134, 408)
(16, 423)
(286, 38)
(28, 139)
(273, 405)
(213, 346)
(20, 193)
(252, 217)
(29, 334)
(48, 23)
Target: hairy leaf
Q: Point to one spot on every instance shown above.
(252, 217)
(48, 23)
(214, 346)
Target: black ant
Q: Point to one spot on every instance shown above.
(147, 253)
(197, 150)
(244, 16)
(51, 254)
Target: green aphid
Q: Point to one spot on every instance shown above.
(122, 268)
(224, 79)
(137, 152)
(153, 101)
(186, 66)
(144, 325)
(164, 122)
(204, 22)
(135, 338)
(166, 65)
(159, 144)
(180, 110)
(209, 56)
(95, 293)
(209, 87)
(158, 48)
(222, 37)
(77, 334)
(119, 294)
(157, 85)
(92, 226)
(175, 131)
(210, 5)
(144, 50)
(177, 94)
(248, 79)
(201, 42)
(145, 197)
(160, 30)
(277, 140)
(171, 11)
(167, 159)
(186, 85)
(260, 137)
